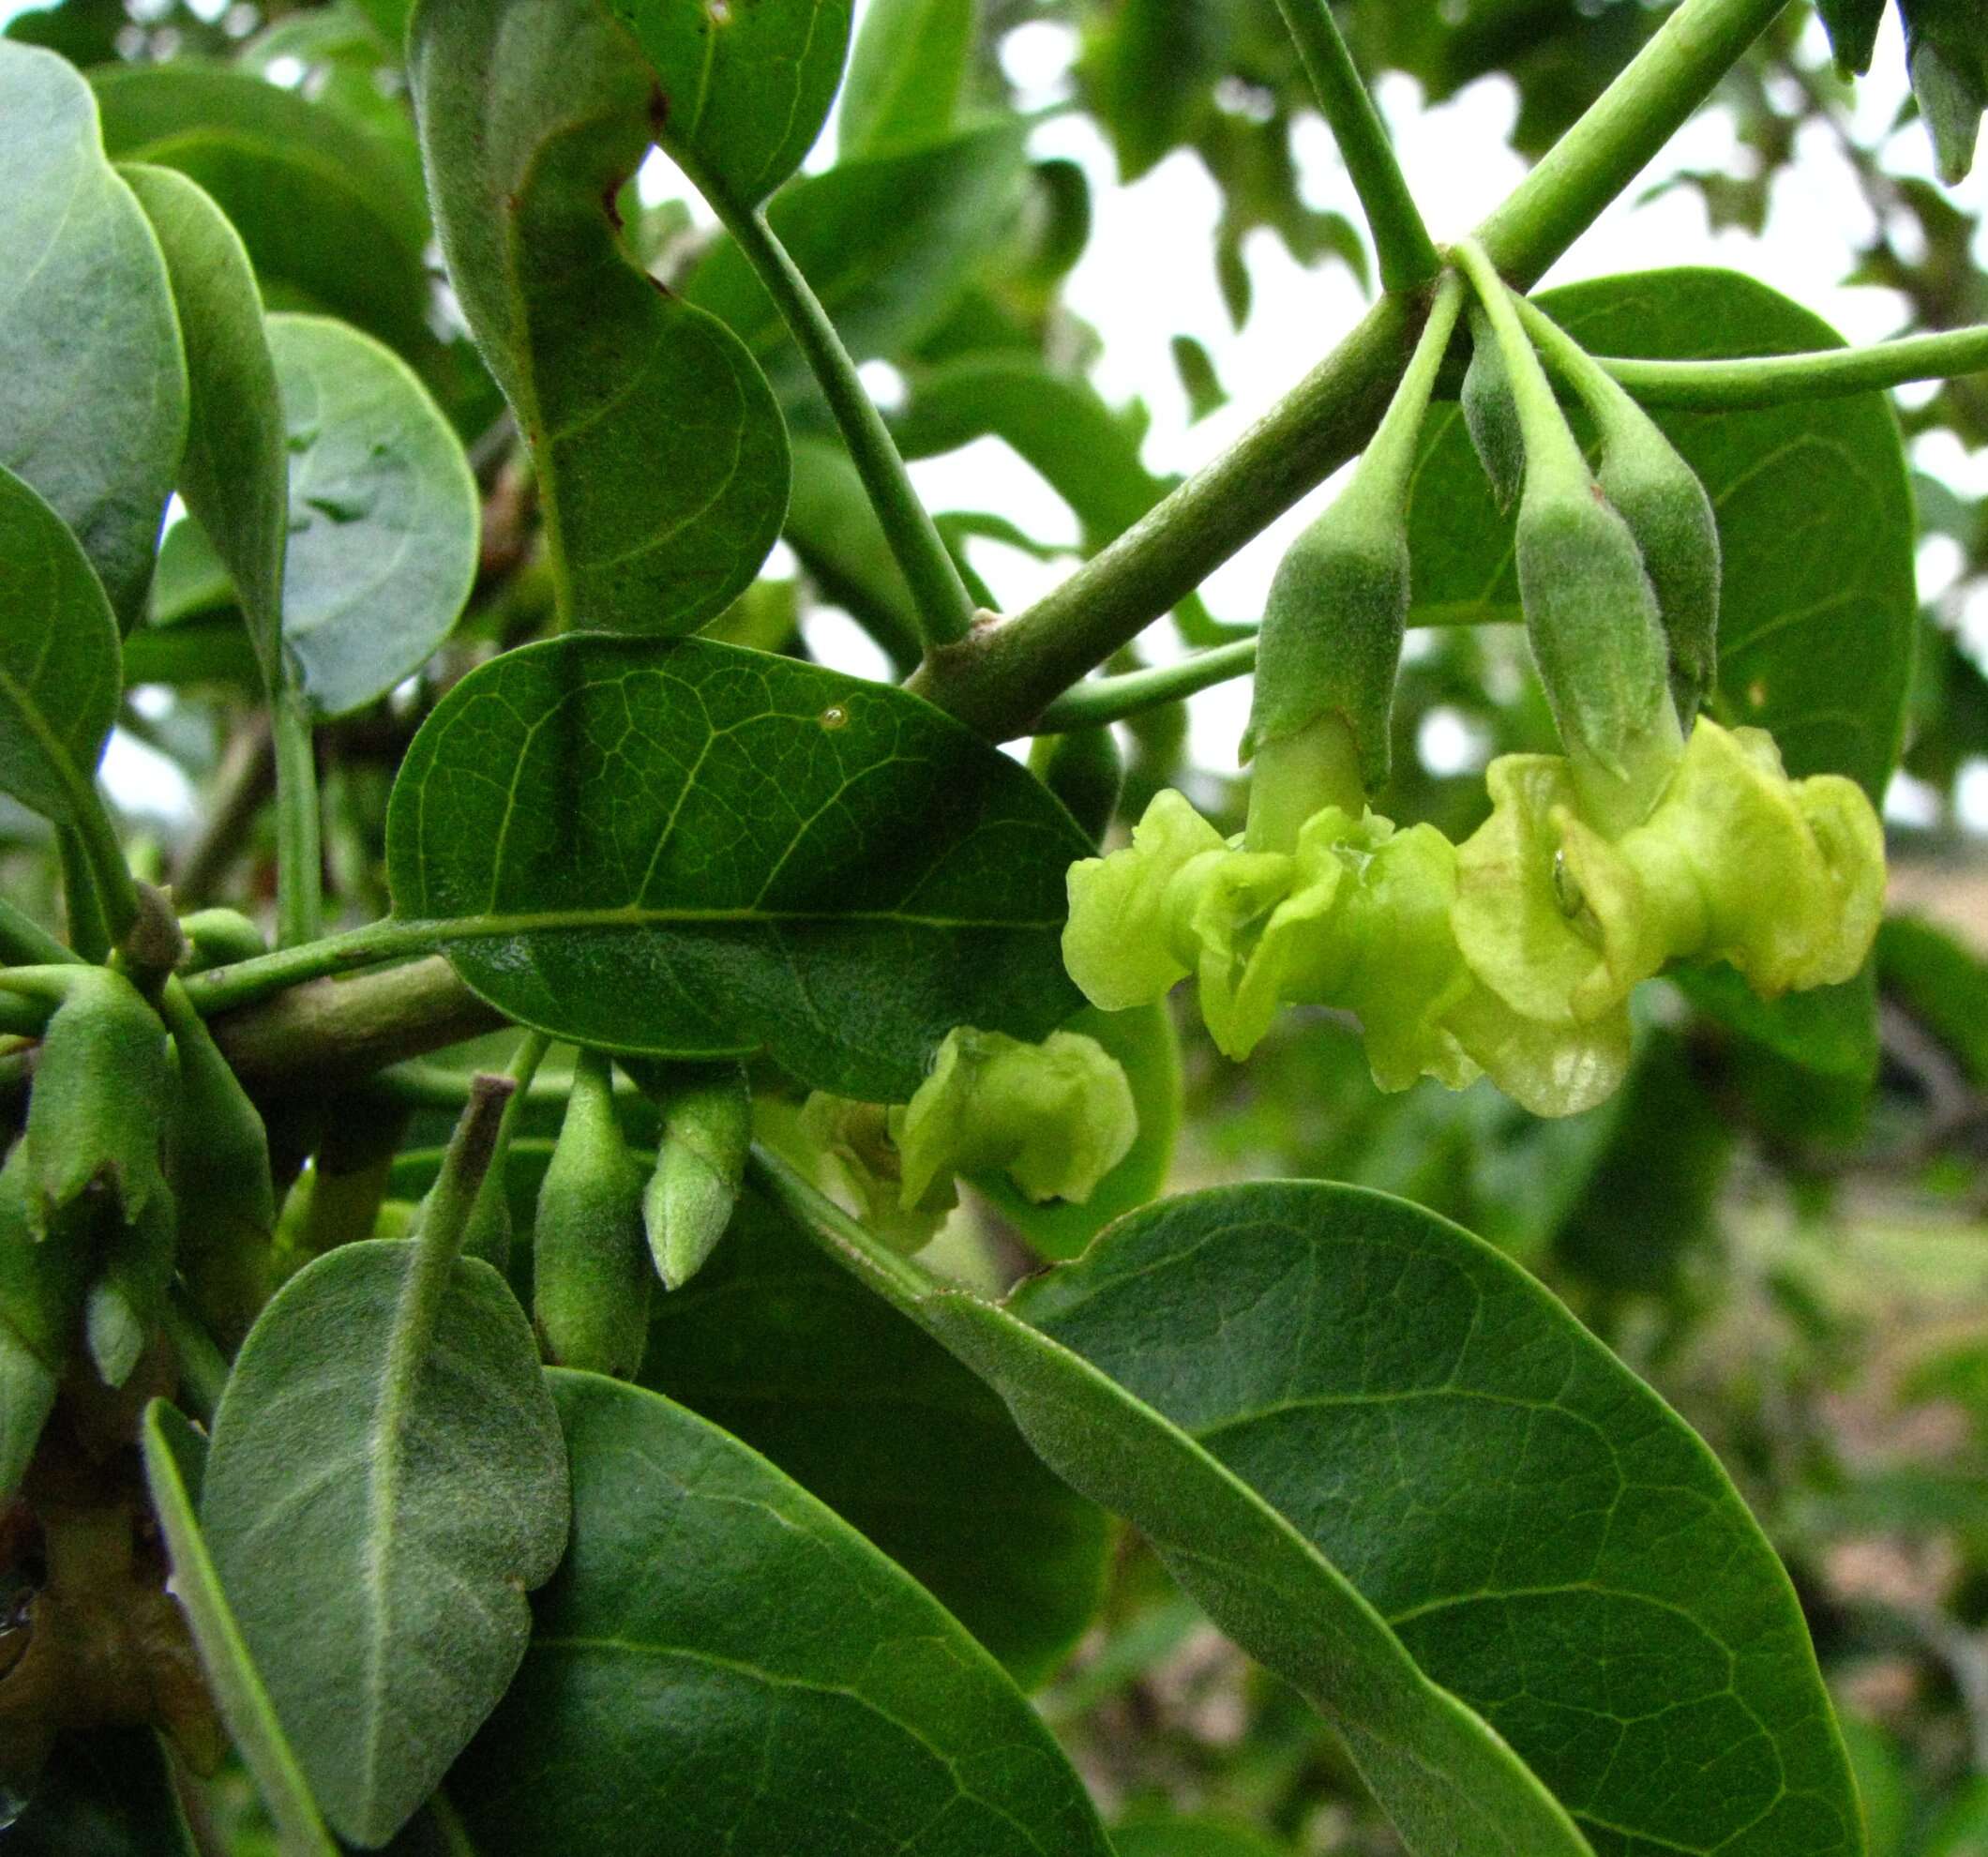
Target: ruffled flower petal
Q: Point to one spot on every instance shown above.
(1116, 945)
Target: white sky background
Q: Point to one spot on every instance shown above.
(1148, 274)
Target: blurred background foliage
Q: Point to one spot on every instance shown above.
(1795, 1253)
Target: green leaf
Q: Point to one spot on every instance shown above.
(1814, 517)
(867, 1413)
(699, 850)
(106, 1793)
(93, 392)
(660, 452)
(832, 527)
(384, 516)
(1165, 1834)
(61, 675)
(1448, 1782)
(376, 1511)
(905, 75)
(176, 1458)
(887, 242)
(1546, 1537)
(723, 1665)
(330, 218)
(741, 91)
(1144, 1042)
(1820, 601)
(235, 473)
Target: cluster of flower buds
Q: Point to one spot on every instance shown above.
(1656, 837)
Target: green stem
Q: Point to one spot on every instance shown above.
(89, 933)
(1381, 480)
(1001, 679)
(1622, 132)
(299, 828)
(1774, 380)
(446, 1212)
(419, 1085)
(24, 943)
(945, 608)
(1113, 698)
(1407, 256)
(116, 893)
(1554, 463)
(243, 982)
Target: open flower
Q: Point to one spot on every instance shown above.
(1735, 862)
(1055, 1117)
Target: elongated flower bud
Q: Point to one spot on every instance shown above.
(1085, 770)
(1947, 56)
(699, 1165)
(103, 1090)
(1668, 513)
(1491, 413)
(1852, 26)
(591, 1272)
(1331, 644)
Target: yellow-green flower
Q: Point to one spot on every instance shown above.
(1735, 862)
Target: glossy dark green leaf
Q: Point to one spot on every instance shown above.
(741, 87)
(1814, 519)
(1448, 1783)
(234, 474)
(1167, 1835)
(887, 242)
(176, 1458)
(691, 850)
(722, 1665)
(384, 516)
(1543, 1533)
(1144, 1042)
(386, 1485)
(867, 1413)
(661, 455)
(93, 391)
(61, 675)
(332, 223)
(906, 73)
(108, 1793)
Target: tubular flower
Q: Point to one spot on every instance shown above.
(1055, 1117)
(1735, 862)
(1357, 917)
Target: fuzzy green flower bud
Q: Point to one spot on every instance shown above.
(1491, 413)
(103, 1090)
(1085, 770)
(856, 1138)
(700, 1164)
(591, 1270)
(1735, 862)
(1947, 56)
(1330, 643)
(42, 1281)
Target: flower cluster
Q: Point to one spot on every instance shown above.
(1513, 955)
(1055, 1117)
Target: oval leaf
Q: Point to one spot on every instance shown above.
(328, 216)
(722, 1665)
(175, 1457)
(741, 90)
(61, 675)
(385, 1483)
(866, 1413)
(234, 474)
(1448, 1783)
(93, 391)
(906, 73)
(692, 850)
(1550, 1542)
(660, 452)
(384, 516)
